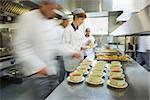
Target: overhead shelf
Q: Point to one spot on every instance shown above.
(138, 24)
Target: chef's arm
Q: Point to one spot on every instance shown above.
(64, 50)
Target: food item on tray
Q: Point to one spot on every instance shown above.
(91, 45)
(115, 73)
(82, 68)
(124, 58)
(96, 74)
(115, 68)
(100, 64)
(113, 57)
(75, 77)
(96, 71)
(108, 50)
(81, 71)
(115, 63)
(106, 57)
(117, 81)
(86, 62)
(94, 79)
(76, 73)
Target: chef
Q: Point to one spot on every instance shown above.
(64, 23)
(74, 37)
(89, 43)
(36, 46)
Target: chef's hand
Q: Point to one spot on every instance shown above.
(43, 72)
(76, 55)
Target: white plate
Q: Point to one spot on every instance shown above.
(68, 79)
(119, 87)
(95, 83)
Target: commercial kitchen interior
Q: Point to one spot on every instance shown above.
(113, 22)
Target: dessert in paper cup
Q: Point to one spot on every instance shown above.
(117, 81)
(96, 74)
(75, 77)
(93, 79)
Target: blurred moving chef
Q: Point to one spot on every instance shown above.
(89, 43)
(74, 37)
(36, 44)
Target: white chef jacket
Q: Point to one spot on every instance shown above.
(89, 51)
(36, 43)
(61, 30)
(75, 40)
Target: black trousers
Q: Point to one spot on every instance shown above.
(61, 69)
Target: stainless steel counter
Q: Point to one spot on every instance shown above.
(138, 89)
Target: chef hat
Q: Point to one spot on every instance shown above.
(78, 11)
(64, 17)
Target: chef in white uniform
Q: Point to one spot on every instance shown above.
(89, 43)
(36, 45)
(74, 38)
(64, 23)
(62, 26)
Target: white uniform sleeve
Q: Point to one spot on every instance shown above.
(64, 50)
(24, 50)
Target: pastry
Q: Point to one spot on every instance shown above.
(115, 63)
(94, 79)
(117, 81)
(75, 77)
(115, 73)
(96, 74)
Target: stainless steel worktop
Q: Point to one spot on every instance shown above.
(138, 89)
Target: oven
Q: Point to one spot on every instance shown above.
(9, 72)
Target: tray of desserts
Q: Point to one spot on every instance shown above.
(107, 51)
(123, 58)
